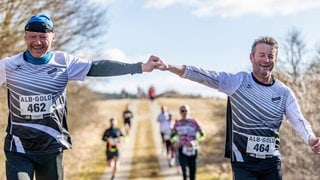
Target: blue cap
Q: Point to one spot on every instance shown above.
(39, 23)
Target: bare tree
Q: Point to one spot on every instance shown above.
(294, 49)
(77, 23)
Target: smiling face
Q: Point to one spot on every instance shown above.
(263, 59)
(38, 43)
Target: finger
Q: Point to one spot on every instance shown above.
(316, 144)
(162, 67)
(317, 151)
(154, 58)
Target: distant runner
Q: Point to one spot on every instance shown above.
(168, 129)
(127, 116)
(152, 93)
(186, 130)
(112, 136)
(163, 117)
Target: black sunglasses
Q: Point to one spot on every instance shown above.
(183, 111)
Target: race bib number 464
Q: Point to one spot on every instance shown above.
(261, 146)
(35, 105)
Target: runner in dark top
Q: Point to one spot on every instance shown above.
(127, 117)
(112, 137)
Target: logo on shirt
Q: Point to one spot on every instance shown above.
(19, 67)
(249, 86)
(52, 71)
(274, 99)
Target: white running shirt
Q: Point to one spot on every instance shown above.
(257, 111)
(37, 101)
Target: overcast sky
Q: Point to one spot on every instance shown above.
(213, 34)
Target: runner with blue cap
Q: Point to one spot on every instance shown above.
(40, 23)
(36, 82)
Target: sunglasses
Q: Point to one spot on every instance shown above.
(183, 111)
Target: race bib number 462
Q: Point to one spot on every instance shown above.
(261, 146)
(35, 105)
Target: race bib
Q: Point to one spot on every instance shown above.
(189, 151)
(167, 135)
(113, 141)
(36, 105)
(261, 146)
(127, 115)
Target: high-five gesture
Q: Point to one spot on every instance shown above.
(152, 63)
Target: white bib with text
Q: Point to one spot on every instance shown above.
(36, 105)
(189, 151)
(261, 146)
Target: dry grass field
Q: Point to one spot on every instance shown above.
(88, 117)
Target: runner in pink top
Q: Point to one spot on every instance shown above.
(185, 130)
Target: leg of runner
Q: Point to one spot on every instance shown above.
(183, 161)
(14, 165)
(192, 167)
(49, 167)
(127, 128)
(168, 152)
(177, 159)
(163, 143)
(173, 155)
(115, 167)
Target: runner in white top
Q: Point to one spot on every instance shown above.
(167, 131)
(36, 81)
(257, 105)
(163, 117)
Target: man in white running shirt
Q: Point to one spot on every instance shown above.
(36, 81)
(257, 104)
(163, 117)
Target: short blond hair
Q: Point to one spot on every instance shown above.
(267, 40)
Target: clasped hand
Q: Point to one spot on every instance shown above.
(154, 62)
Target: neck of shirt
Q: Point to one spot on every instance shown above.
(43, 60)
